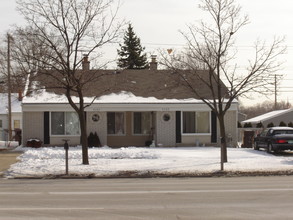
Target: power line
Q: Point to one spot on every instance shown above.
(182, 45)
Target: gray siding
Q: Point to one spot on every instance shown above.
(99, 126)
(33, 126)
(231, 129)
(166, 130)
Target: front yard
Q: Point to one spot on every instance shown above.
(147, 162)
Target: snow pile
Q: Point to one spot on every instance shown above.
(42, 96)
(128, 97)
(161, 161)
(98, 153)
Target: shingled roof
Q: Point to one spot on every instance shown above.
(161, 84)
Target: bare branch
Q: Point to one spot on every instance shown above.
(58, 32)
(210, 46)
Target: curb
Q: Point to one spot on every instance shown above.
(133, 174)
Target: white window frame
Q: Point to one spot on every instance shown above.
(192, 134)
(16, 121)
(63, 135)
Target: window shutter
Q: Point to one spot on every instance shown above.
(178, 127)
(46, 127)
(214, 128)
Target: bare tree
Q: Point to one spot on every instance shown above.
(16, 81)
(210, 46)
(61, 30)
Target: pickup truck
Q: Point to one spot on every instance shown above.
(275, 139)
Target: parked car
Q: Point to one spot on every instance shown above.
(275, 139)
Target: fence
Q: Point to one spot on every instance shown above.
(3, 135)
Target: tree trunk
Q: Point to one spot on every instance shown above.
(84, 142)
(82, 123)
(224, 158)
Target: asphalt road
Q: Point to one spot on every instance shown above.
(155, 198)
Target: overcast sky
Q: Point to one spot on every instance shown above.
(157, 23)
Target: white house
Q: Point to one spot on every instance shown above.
(16, 114)
(132, 108)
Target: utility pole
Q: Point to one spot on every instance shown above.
(9, 88)
(276, 102)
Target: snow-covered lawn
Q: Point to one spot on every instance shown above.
(142, 161)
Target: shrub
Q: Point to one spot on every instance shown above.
(271, 125)
(247, 125)
(282, 124)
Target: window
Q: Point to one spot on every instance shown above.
(64, 123)
(1, 124)
(188, 122)
(16, 124)
(202, 122)
(115, 123)
(141, 122)
(196, 122)
(264, 133)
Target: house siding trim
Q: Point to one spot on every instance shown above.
(33, 126)
(111, 107)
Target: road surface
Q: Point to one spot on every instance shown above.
(154, 198)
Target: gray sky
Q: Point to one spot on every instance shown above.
(157, 23)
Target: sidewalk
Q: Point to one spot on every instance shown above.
(7, 158)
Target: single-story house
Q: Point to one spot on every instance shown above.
(131, 108)
(274, 117)
(16, 114)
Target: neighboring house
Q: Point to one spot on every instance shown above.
(241, 116)
(133, 108)
(16, 115)
(275, 117)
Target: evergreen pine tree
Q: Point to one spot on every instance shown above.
(131, 54)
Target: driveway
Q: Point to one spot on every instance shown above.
(7, 158)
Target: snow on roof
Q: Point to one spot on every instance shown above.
(15, 103)
(42, 96)
(267, 116)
